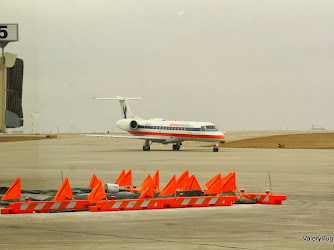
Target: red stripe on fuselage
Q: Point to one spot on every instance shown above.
(221, 137)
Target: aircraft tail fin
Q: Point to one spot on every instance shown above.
(123, 101)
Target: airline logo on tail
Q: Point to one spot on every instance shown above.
(124, 111)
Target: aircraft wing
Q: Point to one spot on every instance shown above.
(142, 137)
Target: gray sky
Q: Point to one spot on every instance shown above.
(240, 64)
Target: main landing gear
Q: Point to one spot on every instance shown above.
(177, 146)
(215, 149)
(146, 146)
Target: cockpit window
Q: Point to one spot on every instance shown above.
(210, 128)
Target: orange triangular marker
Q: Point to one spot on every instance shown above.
(64, 191)
(93, 182)
(14, 192)
(156, 179)
(182, 180)
(192, 184)
(228, 183)
(214, 186)
(128, 178)
(97, 193)
(170, 188)
(121, 178)
(147, 179)
(147, 191)
(208, 184)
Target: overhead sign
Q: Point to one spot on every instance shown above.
(9, 32)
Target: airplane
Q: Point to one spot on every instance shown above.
(159, 130)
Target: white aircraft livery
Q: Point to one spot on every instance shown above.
(162, 131)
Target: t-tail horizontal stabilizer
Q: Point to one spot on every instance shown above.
(125, 108)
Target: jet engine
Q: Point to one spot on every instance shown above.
(127, 124)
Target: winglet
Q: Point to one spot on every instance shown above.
(14, 192)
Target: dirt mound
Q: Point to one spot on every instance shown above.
(14, 138)
(292, 141)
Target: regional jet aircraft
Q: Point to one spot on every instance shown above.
(162, 131)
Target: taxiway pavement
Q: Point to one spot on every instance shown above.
(304, 176)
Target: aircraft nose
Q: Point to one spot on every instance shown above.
(222, 135)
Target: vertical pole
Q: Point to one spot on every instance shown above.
(271, 191)
(3, 83)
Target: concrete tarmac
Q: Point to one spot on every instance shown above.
(305, 176)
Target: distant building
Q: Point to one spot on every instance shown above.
(314, 128)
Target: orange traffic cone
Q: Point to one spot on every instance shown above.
(93, 182)
(121, 179)
(14, 192)
(64, 191)
(170, 188)
(128, 178)
(97, 193)
(182, 180)
(228, 183)
(214, 185)
(192, 184)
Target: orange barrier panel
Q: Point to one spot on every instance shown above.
(117, 205)
(272, 199)
(44, 206)
(205, 201)
(179, 202)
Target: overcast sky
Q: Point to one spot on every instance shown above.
(239, 64)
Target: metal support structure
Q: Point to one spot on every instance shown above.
(9, 62)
